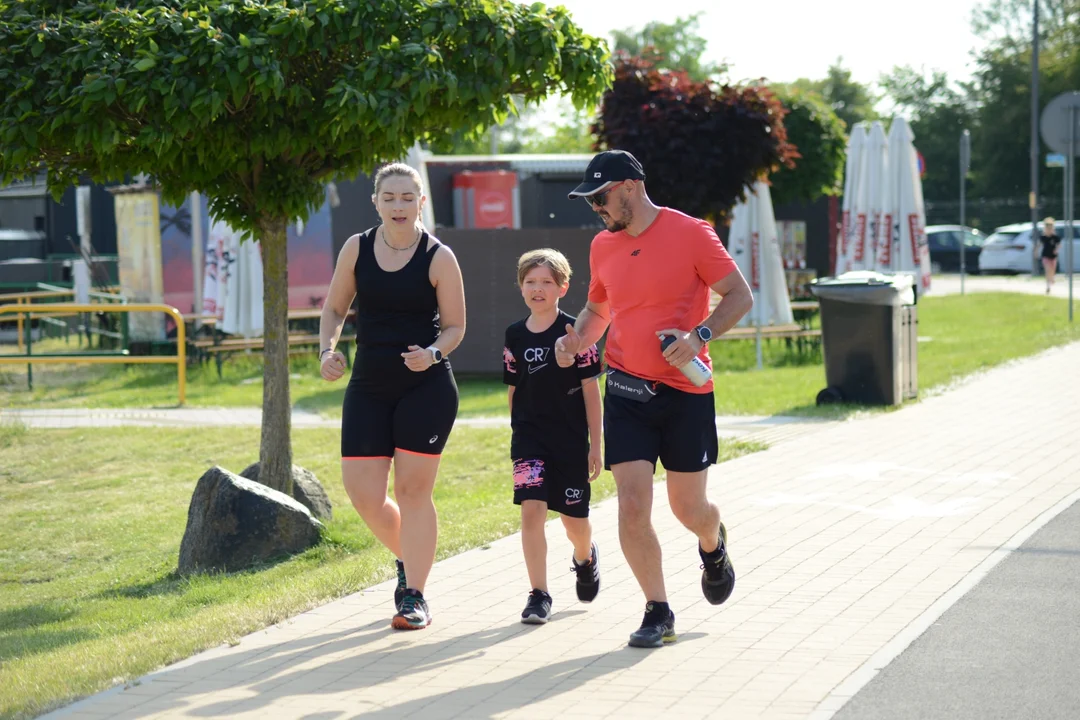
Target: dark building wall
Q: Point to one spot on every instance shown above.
(63, 229)
(355, 212)
(23, 213)
(820, 221)
(488, 260)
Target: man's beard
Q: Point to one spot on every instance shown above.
(627, 218)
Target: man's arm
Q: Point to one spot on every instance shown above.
(589, 328)
(592, 323)
(736, 300)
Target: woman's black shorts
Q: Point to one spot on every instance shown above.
(413, 413)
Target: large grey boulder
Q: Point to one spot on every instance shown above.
(307, 490)
(234, 523)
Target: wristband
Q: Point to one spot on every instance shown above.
(324, 352)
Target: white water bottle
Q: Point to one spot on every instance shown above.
(696, 370)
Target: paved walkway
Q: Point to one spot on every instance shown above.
(849, 542)
(1026, 284)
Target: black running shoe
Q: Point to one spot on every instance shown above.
(718, 576)
(656, 630)
(538, 609)
(588, 576)
(413, 613)
(399, 591)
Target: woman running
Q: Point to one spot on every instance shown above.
(401, 401)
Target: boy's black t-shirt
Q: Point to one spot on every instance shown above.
(548, 416)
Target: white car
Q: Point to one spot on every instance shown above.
(1009, 249)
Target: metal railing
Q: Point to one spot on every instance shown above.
(51, 292)
(27, 312)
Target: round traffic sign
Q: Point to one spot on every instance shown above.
(1054, 123)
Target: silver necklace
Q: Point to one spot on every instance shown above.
(410, 247)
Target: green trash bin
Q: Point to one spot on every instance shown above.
(869, 336)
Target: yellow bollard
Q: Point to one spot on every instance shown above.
(19, 325)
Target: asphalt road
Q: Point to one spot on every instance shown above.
(1010, 648)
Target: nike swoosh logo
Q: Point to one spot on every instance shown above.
(534, 369)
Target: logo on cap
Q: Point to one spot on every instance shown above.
(596, 175)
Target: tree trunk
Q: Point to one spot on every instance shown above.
(275, 450)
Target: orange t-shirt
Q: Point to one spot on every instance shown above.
(657, 280)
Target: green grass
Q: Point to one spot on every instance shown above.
(92, 524)
(959, 335)
(965, 334)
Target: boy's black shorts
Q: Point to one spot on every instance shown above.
(563, 485)
(675, 426)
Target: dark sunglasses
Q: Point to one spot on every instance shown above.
(600, 199)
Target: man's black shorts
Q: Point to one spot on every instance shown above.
(564, 486)
(675, 426)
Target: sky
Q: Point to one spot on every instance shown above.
(783, 40)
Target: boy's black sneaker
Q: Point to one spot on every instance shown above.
(718, 575)
(588, 576)
(657, 629)
(413, 613)
(538, 608)
(399, 591)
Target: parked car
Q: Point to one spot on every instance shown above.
(944, 242)
(1010, 250)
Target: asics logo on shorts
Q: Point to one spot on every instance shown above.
(433, 439)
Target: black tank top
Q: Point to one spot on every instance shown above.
(395, 309)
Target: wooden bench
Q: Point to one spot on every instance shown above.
(794, 330)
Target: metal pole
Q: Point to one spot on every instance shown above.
(1070, 204)
(759, 304)
(198, 252)
(965, 159)
(1033, 201)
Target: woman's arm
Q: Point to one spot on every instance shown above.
(340, 295)
(336, 308)
(450, 292)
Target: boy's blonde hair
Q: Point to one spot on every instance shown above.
(544, 257)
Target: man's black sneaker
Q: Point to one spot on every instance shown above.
(656, 629)
(718, 575)
(399, 591)
(413, 613)
(588, 576)
(538, 609)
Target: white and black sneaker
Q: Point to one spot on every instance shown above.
(588, 576)
(538, 609)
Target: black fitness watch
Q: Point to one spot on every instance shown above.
(704, 334)
(436, 355)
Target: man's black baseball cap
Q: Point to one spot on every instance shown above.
(605, 170)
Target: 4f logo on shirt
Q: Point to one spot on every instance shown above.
(635, 253)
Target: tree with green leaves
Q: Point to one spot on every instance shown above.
(258, 105)
(701, 145)
(673, 46)
(938, 112)
(1002, 89)
(851, 101)
(821, 145)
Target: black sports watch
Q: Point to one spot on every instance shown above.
(436, 355)
(704, 334)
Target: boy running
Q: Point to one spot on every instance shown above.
(555, 416)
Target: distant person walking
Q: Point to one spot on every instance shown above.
(1050, 242)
